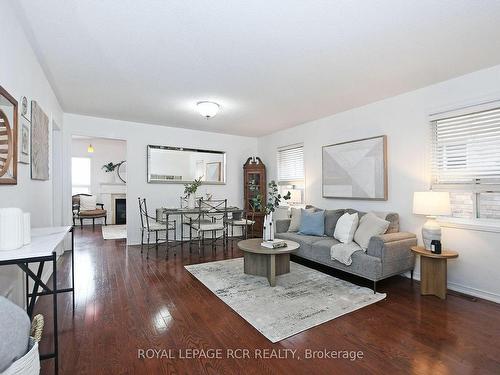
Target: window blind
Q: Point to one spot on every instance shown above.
(291, 164)
(466, 149)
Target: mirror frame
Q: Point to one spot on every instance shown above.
(183, 182)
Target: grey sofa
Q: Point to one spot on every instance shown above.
(387, 255)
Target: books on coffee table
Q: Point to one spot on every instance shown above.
(274, 244)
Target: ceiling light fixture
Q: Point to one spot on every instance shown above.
(90, 149)
(207, 109)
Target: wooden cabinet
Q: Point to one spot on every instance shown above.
(254, 183)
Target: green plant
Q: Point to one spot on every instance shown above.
(273, 201)
(110, 167)
(192, 187)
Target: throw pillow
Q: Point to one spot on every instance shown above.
(295, 218)
(87, 203)
(370, 225)
(346, 227)
(331, 218)
(312, 223)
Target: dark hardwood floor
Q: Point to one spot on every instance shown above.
(125, 302)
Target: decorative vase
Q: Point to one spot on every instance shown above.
(109, 177)
(268, 230)
(191, 201)
(11, 228)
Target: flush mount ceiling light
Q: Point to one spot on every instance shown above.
(207, 109)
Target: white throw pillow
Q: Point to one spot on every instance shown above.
(346, 227)
(87, 203)
(370, 225)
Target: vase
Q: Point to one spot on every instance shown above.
(268, 230)
(11, 228)
(191, 201)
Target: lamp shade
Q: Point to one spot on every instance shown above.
(207, 109)
(431, 203)
(295, 196)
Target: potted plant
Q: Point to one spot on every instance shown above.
(274, 199)
(109, 169)
(190, 191)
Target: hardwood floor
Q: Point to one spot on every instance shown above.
(125, 302)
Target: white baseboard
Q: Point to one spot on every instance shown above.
(489, 296)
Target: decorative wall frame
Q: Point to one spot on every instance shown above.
(39, 143)
(356, 169)
(8, 138)
(24, 138)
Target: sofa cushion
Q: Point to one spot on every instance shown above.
(345, 228)
(370, 225)
(312, 223)
(304, 241)
(331, 218)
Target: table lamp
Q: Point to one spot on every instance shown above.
(295, 196)
(431, 204)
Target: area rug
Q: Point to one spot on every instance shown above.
(301, 299)
(114, 232)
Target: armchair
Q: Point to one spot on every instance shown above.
(78, 214)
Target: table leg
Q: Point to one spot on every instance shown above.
(73, 266)
(54, 296)
(271, 270)
(433, 277)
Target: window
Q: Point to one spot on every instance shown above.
(291, 172)
(80, 176)
(466, 162)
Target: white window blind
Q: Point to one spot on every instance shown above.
(466, 151)
(291, 164)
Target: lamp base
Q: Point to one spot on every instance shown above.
(431, 231)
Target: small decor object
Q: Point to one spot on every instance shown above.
(274, 244)
(268, 208)
(39, 143)
(8, 138)
(11, 228)
(356, 169)
(431, 204)
(109, 169)
(190, 191)
(24, 141)
(436, 246)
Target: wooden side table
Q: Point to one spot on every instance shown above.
(433, 271)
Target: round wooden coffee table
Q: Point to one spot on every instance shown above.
(261, 261)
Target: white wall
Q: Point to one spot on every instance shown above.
(404, 119)
(138, 136)
(22, 75)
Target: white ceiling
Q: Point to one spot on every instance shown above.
(270, 64)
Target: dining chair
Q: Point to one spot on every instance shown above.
(240, 219)
(149, 225)
(211, 217)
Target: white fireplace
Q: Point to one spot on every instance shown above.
(110, 192)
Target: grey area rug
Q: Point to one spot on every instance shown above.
(114, 232)
(302, 299)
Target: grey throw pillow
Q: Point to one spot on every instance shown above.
(369, 225)
(331, 218)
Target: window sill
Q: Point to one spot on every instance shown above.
(483, 225)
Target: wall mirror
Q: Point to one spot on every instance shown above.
(8, 138)
(183, 165)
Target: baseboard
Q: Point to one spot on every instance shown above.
(493, 297)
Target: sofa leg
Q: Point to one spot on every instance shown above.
(81, 223)
(411, 273)
(374, 287)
